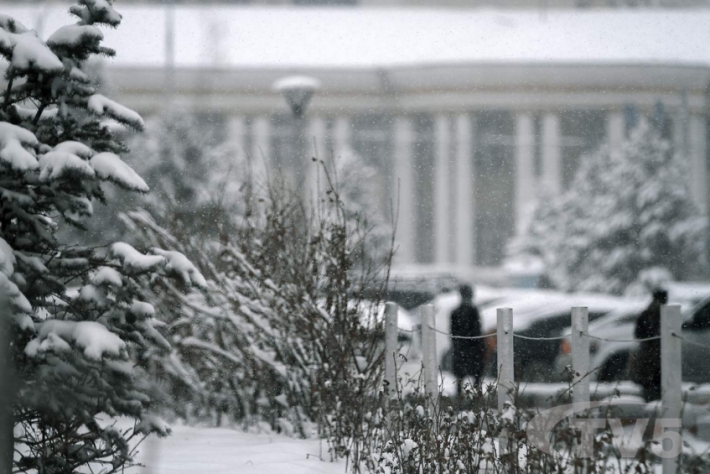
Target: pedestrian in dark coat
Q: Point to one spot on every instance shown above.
(648, 357)
(468, 354)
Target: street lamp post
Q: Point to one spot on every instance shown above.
(298, 91)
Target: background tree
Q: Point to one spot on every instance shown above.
(627, 214)
(354, 181)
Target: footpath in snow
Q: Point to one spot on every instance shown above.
(218, 450)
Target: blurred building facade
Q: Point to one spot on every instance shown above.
(466, 144)
(538, 4)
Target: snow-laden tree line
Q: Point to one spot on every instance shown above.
(626, 221)
(261, 320)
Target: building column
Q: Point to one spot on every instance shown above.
(315, 148)
(261, 146)
(698, 163)
(615, 131)
(341, 134)
(236, 132)
(465, 181)
(442, 189)
(525, 185)
(261, 143)
(403, 192)
(551, 154)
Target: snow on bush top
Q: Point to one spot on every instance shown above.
(14, 144)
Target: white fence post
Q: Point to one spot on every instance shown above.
(580, 376)
(580, 355)
(429, 349)
(671, 379)
(506, 381)
(391, 349)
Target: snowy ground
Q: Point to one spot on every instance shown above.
(219, 450)
(223, 451)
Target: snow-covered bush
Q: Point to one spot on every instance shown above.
(626, 213)
(83, 328)
(282, 335)
(414, 433)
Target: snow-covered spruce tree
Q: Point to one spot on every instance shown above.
(625, 214)
(82, 328)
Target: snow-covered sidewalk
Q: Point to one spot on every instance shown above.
(218, 450)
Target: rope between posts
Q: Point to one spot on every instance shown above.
(530, 338)
(461, 337)
(692, 343)
(556, 338)
(407, 330)
(653, 338)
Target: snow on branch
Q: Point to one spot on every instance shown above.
(152, 424)
(94, 339)
(24, 49)
(110, 167)
(96, 11)
(7, 258)
(29, 114)
(103, 106)
(133, 260)
(72, 36)
(75, 148)
(57, 164)
(178, 264)
(10, 291)
(107, 276)
(14, 144)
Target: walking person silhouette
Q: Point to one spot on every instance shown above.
(468, 354)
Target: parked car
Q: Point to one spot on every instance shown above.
(609, 358)
(411, 290)
(536, 313)
(372, 314)
(535, 358)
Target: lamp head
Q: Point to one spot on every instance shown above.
(298, 91)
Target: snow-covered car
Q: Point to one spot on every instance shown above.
(610, 355)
